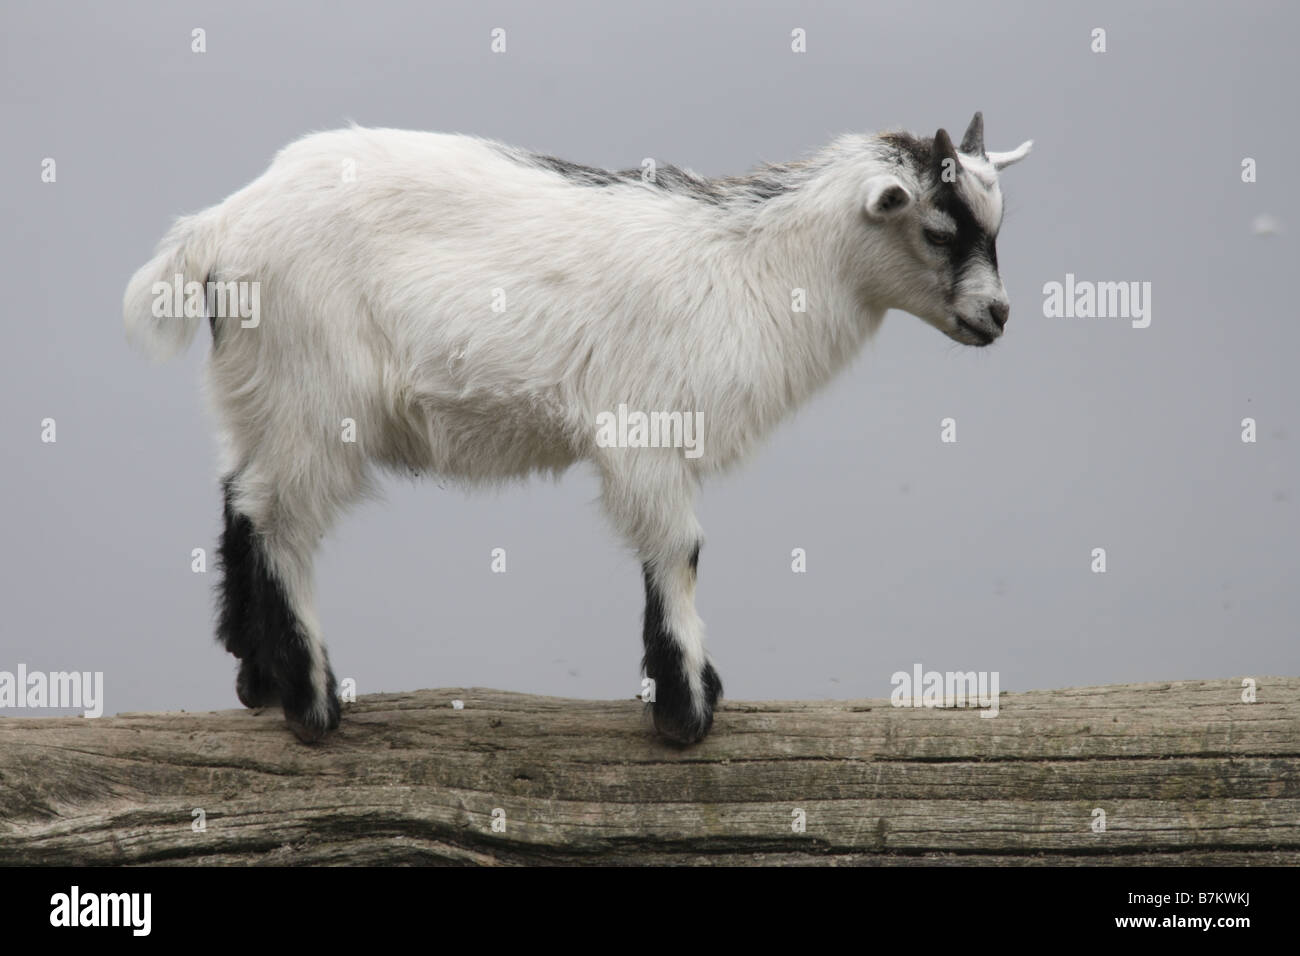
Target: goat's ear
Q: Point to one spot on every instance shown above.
(1003, 160)
(886, 197)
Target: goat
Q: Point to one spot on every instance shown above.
(472, 310)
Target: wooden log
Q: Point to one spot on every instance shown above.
(1184, 772)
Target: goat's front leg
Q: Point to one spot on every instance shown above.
(686, 687)
(649, 496)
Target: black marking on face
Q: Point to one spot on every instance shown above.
(972, 244)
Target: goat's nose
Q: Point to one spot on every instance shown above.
(1000, 311)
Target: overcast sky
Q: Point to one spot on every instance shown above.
(1073, 433)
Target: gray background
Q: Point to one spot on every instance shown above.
(1073, 433)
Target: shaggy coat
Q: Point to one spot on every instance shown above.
(460, 308)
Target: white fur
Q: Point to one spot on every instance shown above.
(377, 300)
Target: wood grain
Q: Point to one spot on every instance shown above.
(1184, 771)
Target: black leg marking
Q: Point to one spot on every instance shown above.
(675, 714)
(254, 686)
(257, 625)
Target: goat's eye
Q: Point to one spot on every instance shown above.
(937, 238)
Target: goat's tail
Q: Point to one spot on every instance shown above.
(160, 315)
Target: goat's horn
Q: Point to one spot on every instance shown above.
(1003, 160)
(943, 150)
(972, 144)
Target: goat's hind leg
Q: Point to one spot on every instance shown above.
(265, 617)
(238, 624)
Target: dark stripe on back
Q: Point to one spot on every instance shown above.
(577, 173)
(766, 183)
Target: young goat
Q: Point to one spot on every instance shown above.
(455, 306)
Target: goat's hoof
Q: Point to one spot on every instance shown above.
(255, 687)
(686, 730)
(312, 729)
(312, 724)
(676, 716)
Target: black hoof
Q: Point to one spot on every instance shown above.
(255, 686)
(311, 720)
(313, 727)
(676, 717)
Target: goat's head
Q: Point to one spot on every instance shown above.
(940, 207)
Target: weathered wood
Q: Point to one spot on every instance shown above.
(1185, 772)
